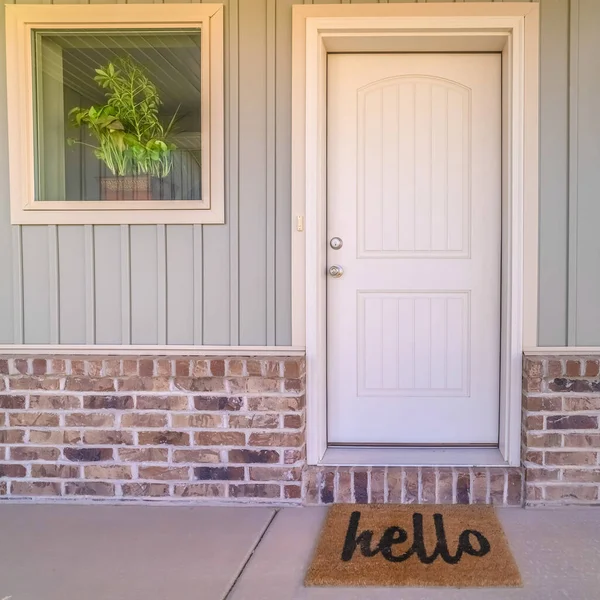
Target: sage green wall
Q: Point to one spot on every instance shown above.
(230, 284)
(584, 181)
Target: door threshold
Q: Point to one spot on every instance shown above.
(413, 457)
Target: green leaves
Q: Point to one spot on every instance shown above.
(131, 138)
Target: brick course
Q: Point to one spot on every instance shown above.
(561, 438)
(413, 485)
(181, 428)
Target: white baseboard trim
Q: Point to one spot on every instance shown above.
(106, 350)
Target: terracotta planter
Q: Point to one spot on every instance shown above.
(135, 187)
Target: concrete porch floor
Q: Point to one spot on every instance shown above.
(67, 552)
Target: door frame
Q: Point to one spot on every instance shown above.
(509, 28)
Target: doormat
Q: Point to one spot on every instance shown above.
(394, 545)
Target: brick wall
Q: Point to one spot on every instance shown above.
(411, 485)
(232, 429)
(178, 428)
(561, 439)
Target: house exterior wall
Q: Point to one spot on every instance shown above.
(231, 428)
(231, 284)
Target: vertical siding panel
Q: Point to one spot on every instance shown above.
(125, 285)
(144, 284)
(252, 171)
(180, 284)
(554, 177)
(71, 278)
(7, 283)
(90, 285)
(107, 266)
(36, 284)
(53, 303)
(198, 287)
(585, 174)
(18, 314)
(215, 253)
(271, 24)
(161, 283)
(9, 326)
(283, 174)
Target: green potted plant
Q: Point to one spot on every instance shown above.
(130, 138)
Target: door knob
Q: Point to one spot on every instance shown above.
(336, 271)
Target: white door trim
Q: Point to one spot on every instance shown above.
(510, 28)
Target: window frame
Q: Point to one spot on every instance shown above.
(21, 21)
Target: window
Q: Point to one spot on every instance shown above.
(116, 113)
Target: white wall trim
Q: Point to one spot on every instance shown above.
(93, 350)
(563, 351)
(509, 27)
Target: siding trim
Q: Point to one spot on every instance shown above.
(144, 350)
(562, 351)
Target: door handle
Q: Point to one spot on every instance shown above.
(336, 271)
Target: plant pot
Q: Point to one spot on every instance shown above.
(134, 187)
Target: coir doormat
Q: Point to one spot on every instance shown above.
(393, 545)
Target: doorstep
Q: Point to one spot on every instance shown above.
(501, 486)
(414, 457)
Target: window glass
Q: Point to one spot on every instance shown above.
(117, 115)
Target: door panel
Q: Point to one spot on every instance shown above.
(414, 193)
(397, 167)
(413, 344)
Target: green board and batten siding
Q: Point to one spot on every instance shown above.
(231, 284)
(584, 217)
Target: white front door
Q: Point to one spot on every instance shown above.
(414, 196)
